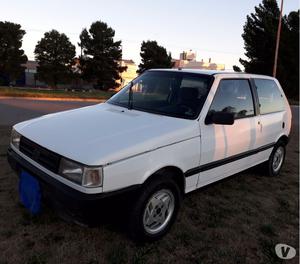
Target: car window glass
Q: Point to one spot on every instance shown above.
(269, 96)
(149, 89)
(195, 83)
(177, 94)
(233, 96)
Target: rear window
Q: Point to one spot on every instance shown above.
(269, 95)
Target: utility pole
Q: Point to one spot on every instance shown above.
(277, 41)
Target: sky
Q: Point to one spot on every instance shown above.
(212, 28)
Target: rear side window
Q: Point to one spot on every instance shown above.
(233, 96)
(269, 96)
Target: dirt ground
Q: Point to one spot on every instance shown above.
(237, 220)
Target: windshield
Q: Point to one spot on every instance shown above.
(178, 94)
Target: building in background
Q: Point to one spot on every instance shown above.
(187, 60)
(28, 79)
(188, 55)
(129, 74)
(30, 71)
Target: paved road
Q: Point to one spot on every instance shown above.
(13, 111)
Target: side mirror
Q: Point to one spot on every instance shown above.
(221, 118)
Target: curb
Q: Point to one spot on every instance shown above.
(54, 99)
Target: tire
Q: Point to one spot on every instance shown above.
(276, 160)
(144, 223)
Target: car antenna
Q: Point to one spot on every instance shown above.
(130, 96)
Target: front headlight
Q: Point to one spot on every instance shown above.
(71, 170)
(15, 138)
(83, 175)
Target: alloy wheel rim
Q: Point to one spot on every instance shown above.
(278, 159)
(158, 211)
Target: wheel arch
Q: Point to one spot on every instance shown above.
(173, 172)
(284, 139)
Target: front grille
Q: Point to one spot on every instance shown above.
(48, 159)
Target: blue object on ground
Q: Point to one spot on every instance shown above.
(30, 192)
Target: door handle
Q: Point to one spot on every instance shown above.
(260, 125)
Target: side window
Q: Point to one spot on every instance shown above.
(269, 96)
(233, 96)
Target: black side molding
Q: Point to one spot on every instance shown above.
(221, 162)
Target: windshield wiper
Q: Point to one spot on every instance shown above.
(130, 94)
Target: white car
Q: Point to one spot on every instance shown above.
(165, 134)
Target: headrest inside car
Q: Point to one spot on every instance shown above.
(188, 93)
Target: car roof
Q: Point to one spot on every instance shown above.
(207, 72)
(212, 72)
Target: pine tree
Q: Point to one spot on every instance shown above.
(236, 68)
(100, 62)
(259, 37)
(154, 56)
(291, 55)
(11, 55)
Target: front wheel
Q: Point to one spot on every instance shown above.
(155, 210)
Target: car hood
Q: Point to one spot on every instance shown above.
(105, 133)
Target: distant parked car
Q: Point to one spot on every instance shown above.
(165, 134)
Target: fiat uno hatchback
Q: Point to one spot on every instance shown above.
(165, 134)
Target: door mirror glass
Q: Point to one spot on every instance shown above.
(222, 118)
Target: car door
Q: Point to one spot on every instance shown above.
(225, 148)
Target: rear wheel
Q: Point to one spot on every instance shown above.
(155, 210)
(276, 160)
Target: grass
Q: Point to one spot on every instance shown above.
(42, 93)
(269, 254)
(117, 254)
(237, 220)
(267, 229)
(37, 259)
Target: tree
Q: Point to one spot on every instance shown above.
(290, 57)
(11, 55)
(100, 62)
(236, 68)
(260, 39)
(154, 56)
(55, 56)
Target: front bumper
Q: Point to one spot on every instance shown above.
(68, 202)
